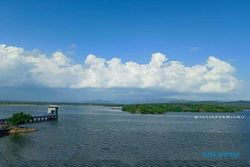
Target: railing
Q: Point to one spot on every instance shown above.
(34, 119)
(3, 121)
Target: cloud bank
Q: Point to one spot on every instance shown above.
(20, 67)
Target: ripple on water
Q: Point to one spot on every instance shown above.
(98, 136)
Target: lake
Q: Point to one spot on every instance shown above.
(100, 136)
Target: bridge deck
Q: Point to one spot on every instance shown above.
(34, 119)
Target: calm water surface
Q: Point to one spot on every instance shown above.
(100, 136)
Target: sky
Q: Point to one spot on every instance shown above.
(124, 51)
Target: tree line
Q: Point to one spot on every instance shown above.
(179, 107)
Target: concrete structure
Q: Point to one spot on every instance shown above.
(53, 111)
(51, 115)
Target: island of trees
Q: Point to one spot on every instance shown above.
(13, 122)
(19, 118)
(180, 107)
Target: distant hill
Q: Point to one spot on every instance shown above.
(98, 101)
(92, 102)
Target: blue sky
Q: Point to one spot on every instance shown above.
(185, 31)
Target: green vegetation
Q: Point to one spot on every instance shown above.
(180, 107)
(19, 118)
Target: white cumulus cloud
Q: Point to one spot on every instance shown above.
(20, 67)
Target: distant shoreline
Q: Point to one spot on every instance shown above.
(20, 104)
(56, 103)
(228, 105)
(183, 107)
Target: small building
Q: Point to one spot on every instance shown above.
(53, 110)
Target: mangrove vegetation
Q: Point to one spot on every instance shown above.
(180, 107)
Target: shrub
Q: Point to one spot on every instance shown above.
(19, 118)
